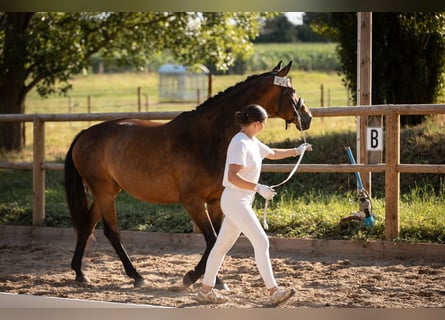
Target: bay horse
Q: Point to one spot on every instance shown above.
(180, 161)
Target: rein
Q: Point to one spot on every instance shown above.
(265, 225)
(300, 102)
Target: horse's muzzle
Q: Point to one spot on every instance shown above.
(305, 118)
(306, 122)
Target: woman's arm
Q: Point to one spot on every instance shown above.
(237, 180)
(282, 153)
(277, 154)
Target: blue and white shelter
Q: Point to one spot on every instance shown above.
(178, 83)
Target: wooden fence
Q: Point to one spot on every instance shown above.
(392, 167)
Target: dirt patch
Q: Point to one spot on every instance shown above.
(42, 268)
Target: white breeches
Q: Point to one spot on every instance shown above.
(239, 217)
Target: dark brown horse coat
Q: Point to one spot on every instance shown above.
(181, 161)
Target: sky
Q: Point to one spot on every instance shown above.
(295, 17)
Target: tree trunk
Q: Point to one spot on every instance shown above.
(13, 76)
(11, 133)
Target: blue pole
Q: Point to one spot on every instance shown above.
(357, 174)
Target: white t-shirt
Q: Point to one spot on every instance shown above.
(248, 153)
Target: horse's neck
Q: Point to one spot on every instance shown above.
(217, 120)
(216, 116)
(220, 115)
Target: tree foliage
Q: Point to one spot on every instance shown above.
(278, 29)
(408, 58)
(44, 50)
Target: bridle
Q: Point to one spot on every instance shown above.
(284, 83)
(296, 106)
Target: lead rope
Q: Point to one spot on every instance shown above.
(265, 225)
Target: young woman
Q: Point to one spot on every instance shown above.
(242, 171)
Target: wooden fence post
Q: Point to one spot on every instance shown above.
(146, 102)
(70, 107)
(209, 86)
(364, 86)
(392, 175)
(38, 173)
(89, 104)
(329, 103)
(139, 99)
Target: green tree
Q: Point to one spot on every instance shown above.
(408, 58)
(305, 33)
(277, 29)
(44, 50)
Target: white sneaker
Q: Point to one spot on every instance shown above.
(210, 296)
(281, 295)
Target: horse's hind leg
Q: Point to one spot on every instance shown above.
(111, 231)
(85, 226)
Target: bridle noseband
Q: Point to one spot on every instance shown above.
(296, 106)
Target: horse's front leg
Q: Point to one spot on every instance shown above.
(207, 223)
(216, 215)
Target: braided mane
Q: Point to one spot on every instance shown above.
(235, 86)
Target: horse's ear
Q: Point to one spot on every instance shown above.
(277, 68)
(283, 72)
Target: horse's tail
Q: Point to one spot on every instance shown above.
(76, 196)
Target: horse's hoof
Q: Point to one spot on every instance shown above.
(178, 286)
(140, 283)
(81, 279)
(187, 280)
(221, 286)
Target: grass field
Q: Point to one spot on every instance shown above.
(310, 206)
(305, 56)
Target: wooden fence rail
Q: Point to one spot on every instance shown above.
(392, 167)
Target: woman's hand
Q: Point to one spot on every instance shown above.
(265, 191)
(303, 147)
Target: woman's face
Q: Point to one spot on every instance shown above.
(259, 126)
(254, 128)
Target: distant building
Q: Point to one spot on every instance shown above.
(178, 83)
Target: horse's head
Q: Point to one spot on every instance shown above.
(272, 90)
(283, 100)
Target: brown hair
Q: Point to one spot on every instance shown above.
(250, 113)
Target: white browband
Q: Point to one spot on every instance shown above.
(281, 81)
